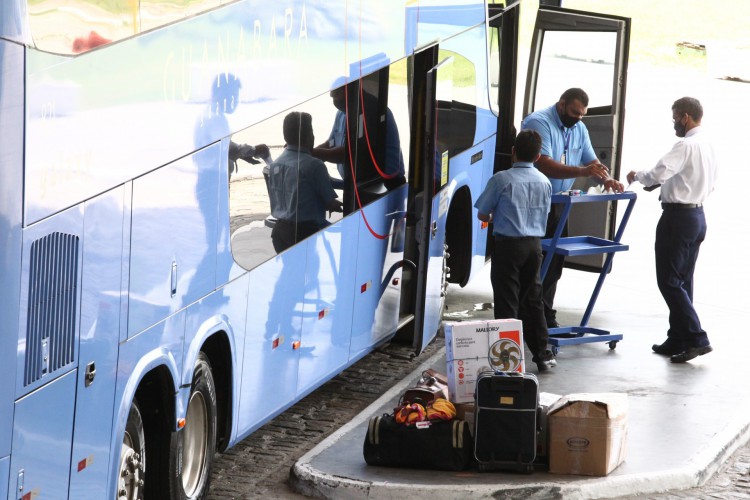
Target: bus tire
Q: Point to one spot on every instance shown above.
(192, 448)
(132, 471)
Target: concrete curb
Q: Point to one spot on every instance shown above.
(308, 480)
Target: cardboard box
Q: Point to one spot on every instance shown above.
(465, 340)
(472, 346)
(588, 433)
(462, 378)
(473, 339)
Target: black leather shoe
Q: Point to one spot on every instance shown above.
(552, 323)
(667, 348)
(690, 353)
(543, 366)
(545, 361)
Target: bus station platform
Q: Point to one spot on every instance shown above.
(684, 420)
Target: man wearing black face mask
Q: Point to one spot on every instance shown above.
(566, 154)
(687, 175)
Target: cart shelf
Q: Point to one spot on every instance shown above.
(585, 245)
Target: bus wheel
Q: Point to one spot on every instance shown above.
(132, 458)
(193, 447)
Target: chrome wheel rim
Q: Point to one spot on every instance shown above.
(195, 435)
(130, 480)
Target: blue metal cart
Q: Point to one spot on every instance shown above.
(585, 245)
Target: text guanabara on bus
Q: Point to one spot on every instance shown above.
(209, 209)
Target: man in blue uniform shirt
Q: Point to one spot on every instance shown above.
(517, 201)
(299, 186)
(687, 175)
(566, 154)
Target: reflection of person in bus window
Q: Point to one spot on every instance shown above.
(333, 149)
(300, 187)
(225, 97)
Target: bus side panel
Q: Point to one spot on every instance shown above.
(11, 189)
(173, 245)
(434, 294)
(274, 322)
(225, 309)
(49, 322)
(4, 475)
(376, 299)
(100, 323)
(42, 433)
(158, 347)
(327, 310)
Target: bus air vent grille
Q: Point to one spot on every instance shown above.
(53, 295)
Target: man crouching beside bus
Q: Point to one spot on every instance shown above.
(299, 186)
(517, 201)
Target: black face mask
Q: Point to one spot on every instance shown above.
(569, 121)
(679, 129)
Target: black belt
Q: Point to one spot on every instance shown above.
(500, 237)
(677, 206)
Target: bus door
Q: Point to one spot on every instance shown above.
(581, 49)
(427, 204)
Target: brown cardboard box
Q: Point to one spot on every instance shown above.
(587, 433)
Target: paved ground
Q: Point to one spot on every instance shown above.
(259, 466)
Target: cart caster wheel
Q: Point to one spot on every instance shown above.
(612, 345)
(555, 349)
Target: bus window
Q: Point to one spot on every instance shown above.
(77, 26)
(398, 104)
(254, 213)
(456, 101)
(566, 56)
(375, 138)
(366, 139)
(155, 13)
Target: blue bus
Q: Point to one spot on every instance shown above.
(148, 319)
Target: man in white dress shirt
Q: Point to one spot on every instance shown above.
(687, 175)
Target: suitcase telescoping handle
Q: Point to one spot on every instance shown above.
(508, 381)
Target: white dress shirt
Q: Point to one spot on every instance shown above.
(687, 173)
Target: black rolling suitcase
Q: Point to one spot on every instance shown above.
(505, 422)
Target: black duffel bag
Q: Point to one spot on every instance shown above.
(437, 444)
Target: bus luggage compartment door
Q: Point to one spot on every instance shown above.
(42, 435)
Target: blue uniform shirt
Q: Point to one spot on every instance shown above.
(394, 159)
(557, 140)
(519, 199)
(299, 187)
(338, 136)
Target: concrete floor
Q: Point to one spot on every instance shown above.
(684, 419)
